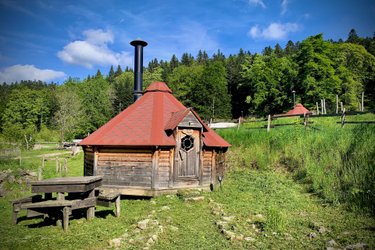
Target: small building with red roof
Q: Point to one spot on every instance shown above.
(156, 145)
(299, 109)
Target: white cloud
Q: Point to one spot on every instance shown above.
(275, 31)
(28, 72)
(257, 2)
(93, 50)
(284, 6)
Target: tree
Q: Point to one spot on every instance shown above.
(173, 63)
(118, 71)
(111, 74)
(69, 113)
(278, 51)
(290, 48)
(356, 69)
(20, 118)
(123, 88)
(202, 57)
(210, 92)
(353, 37)
(270, 80)
(187, 59)
(98, 74)
(182, 80)
(317, 75)
(236, 87)
(96, 97)
(153, 64)
(152, 76)
(219, 56)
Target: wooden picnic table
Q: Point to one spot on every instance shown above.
(81, 194)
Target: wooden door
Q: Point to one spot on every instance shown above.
(187, 156)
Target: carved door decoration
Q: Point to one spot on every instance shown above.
(187, 155)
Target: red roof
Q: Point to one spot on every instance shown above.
(144, 123)
(299, 109)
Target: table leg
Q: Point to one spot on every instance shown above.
(60, 196)
(90, 214)
(117, 206)
(66, 213)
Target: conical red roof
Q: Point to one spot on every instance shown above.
(299, 109)
(145, 122)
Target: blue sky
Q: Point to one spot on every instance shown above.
(52, 40)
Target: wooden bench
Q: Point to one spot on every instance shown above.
(53, 208)
(19, 202)
(108, 199)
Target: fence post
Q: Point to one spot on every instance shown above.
(40, 177)
(305, 119)
(363, 99)
(57, 165)
(239, 123)
(66, 166)
(343, 118)
(269, 123)
(317, 108)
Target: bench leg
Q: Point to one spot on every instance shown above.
(117, 206)
(14, 217)
(66, 213)
(90, 214)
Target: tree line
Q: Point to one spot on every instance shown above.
(243, 84)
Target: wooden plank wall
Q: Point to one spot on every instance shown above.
(88, 169)
(220, 163)
(125, 168)
(163, 170)
(207, 166)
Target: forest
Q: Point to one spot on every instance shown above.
(244, 84)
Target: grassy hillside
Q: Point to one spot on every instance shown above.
(288, 189)
(338, 164)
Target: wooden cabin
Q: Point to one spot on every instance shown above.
(155, 146)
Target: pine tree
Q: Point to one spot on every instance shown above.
(187, 59)
(219, 56)
(98, 74)
(111, 74)
(174, 62)
(353, 37)
(118, 71)
(278, 51)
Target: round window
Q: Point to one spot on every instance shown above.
(187, 143)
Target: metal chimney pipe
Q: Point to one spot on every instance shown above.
(138, 66)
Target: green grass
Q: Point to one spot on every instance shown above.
(338, 163)
(280, 188)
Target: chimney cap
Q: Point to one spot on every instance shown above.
(138, 41)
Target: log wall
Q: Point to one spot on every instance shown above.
(88, 168)
(207, 166)
(163, 169)
(125, 167)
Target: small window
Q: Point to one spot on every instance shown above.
(187, 143)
